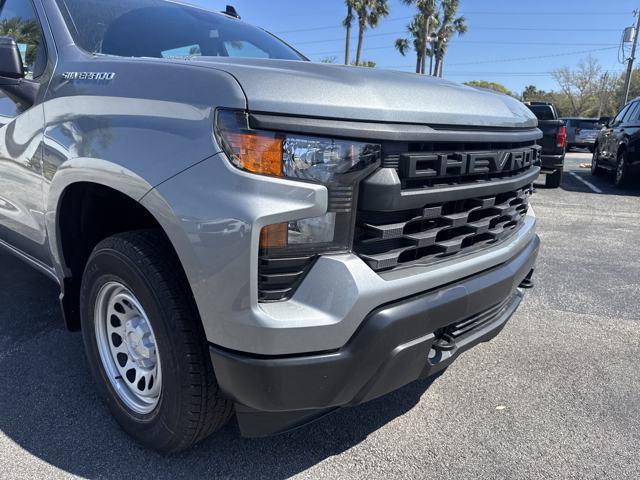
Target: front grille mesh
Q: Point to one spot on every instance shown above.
(385, 240)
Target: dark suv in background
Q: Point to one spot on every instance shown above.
(616, 148)
(582, 132)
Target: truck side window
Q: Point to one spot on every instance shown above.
(18, 20)
(635, 116)
(631, 112)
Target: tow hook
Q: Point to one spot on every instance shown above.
(528, 281)
(444, 343)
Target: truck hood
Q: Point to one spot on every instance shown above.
(367, 94)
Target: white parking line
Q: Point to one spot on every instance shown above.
(588, 184)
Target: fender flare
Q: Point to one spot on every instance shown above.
(85, 170)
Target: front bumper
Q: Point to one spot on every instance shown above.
(396, 344)
(215, 230)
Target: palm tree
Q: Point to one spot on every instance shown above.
(416, 40)
(369, 12)
(427, 12)
(450, 26)
(348, 21)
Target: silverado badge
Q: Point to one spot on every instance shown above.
(96, 76)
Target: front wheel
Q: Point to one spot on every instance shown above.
(622, 171)
(596, 169)
(145, 345)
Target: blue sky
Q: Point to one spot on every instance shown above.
(502, 33)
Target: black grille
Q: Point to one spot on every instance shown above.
(426, 202)
(279, 277)
(385, 240)
(431, 164)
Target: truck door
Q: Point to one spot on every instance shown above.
(21, 134)
(619, 135)
(632, 135)
(609, 145)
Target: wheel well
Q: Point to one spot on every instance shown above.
(87, 214)
(621, 149)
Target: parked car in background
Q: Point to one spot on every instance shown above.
(554, 141)
(616, 148)
(582, 132)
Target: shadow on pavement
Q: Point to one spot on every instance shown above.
(48, 406)
(605, 183)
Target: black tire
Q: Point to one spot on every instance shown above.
(596, 169)
(190, 405)
(622, 175)
(554, 179)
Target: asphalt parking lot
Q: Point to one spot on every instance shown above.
(556, 395)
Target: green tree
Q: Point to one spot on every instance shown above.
(530, 93)
(634, 87)
(348, 23)
(368, 63)
(579, 85)
(491, 86)
(369, 13)
(449, 26)
(585, 90)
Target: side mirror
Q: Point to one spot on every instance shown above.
(11, 65)
(12, 75)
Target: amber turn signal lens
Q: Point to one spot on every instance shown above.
(257, 153)
(274, 236)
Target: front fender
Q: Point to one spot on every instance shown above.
(213, 214)
(85, 170)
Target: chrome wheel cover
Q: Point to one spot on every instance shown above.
(128, 348)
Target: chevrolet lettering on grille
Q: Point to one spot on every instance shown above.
(453, 164)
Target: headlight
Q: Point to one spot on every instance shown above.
(338, 164)
(328, 161)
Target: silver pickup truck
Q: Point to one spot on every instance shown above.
(236, 229)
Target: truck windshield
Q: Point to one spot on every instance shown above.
(164, 29)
